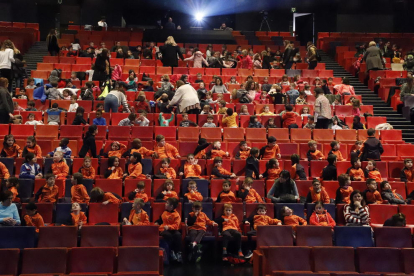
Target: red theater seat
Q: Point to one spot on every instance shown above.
(146, 235)
(336, 258)
(393, 236)
(130, 260)
(9, 261)
(44, 261)
(57, 236)
(103, 213)
(92, 260)
(314, 236)
(380, 213)
(287, 258)
(382, 260)
(99, 235)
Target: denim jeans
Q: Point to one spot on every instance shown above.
(111, 103)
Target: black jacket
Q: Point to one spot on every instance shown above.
(169, 55)
(100, 67)
(252, 166)
(88, 144)
(329, 173)
(372, 149)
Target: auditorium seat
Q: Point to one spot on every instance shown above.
(323, 135)
(188, 133)
(392, 136)
(346, 135)
(85, 260)
(393, 237)
(403, 150)
(17, 237)
(313, 236)
(9, 261)
(408, 211)
(99, 213)
(45, 209)
(287, 258)
(57, 236)
(42, 261)
(146, 235)
(316, 168)
(130, 260)
(333, 259)
(116, 133)
(379, 213)
(169, 132)
(379, 259)
(25, 188)
(110, 185)
(143, 133)
(300, 135)
(272, 235)
(355, 236)
(99, 235)
(22, 131)
(233, 134)
(71, 132)
(256, 134)
(286, 150)
(281, 134)
(407, 255)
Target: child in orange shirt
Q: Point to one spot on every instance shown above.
(99, 196)
(407, 173)
(49, 192)
(321, 217)
(226, 195)
(78, 191)
(137, 216)
(200, 151)
(4, 172)
(10, 148)
(78, 217)
(197, 222)
(165, 150)
(335, 150)
(87, 170)
(12, 184)
(114, 171)
(31, 146)
(372, 172)
(169, 223)
(220, 172)
(117, 149)
(355, 172)
(244, 151)
(167, 192)
(230, 230)
(192, 194)
(139, 192)
(135, 168)
(289, 117)
(137, 147)
(33, 218)
(59, 167)
(217, 152)
(260, 218)
(247, 193)
(317, 193)
(313, 153)
(371, 194)
(166, 171)
(344, 191)
(271, 150)
(272, 170)
(191, 169)
(289, 218)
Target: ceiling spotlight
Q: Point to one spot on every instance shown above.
(199, 16)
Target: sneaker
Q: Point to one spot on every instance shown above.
(198, 253)
(249, 254)
(179, 257)
(173, 257)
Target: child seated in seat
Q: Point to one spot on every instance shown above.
(244, 110)
(317, 193)
(289, 117)
(222, 106)
(226, 195)
(355, 172)
(243, 152)
(266, 111)
(135, 168)
(389, 194)
(33, 218)
(12, 184)
(371, 194)
(191, 169)
(193, 195)
(247, 193)
(207, 110)
(137, 216)
(31, 106)
(53, 115)
(114, 171)
(30, 169)
(254, 122)
(78, 217)
(216, 151)
(220, 172)
(356, 151)
(407, 173)
(271, 150)
(99, 196)
(142, 119)
(63, 147)
(166, 171)
(200, 151)
(59, 167)
(99, 120)
(229, 119)
(314, 153)
(142, 103)
(335, 150)
(78, 190)
(301, 99)
(49, 192)
(272, 170)
(372, 172)
(86, 169)
(311, 122)
(209, 122)
(117, 149)
(31, 121)
(186, 122)
(288, 218)
(33, 147)
(52, 93)
(305, 112)
(136, 146)
(321, 217)
(230, 230)
(345, 189)
(165, 122)
(169, 223)
(197, 222)
(139, 192)
(165, 150)
(330, 172)
(307, 90)
(264, 99)
(167, 191)
(297, 171)
(260, 218)
(79, 120)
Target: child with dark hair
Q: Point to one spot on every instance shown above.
(371, 194)
(136, 146)
(99, 196)
(314, 153)
(329, 172)
(53, 114)
(345, 189)
(271, 150)
(244, 151)
(52, 93)
(12, 184)
(226, 195)
(49, 192)
(166, 171)
(30, 169)
(137, 216)
(247, 193)
(200, 151)
(229, 119)
(254, 122)
(186, 122)
(33, 218)
(389, 194)
(297, 171)
(63, 147)
(289, 117)
(193, 195)
(114, 171)
(371, 171)
(407, 173)
(218, 170)
(31, 106)
(372, 149)
(33, 147)
(355, 172)
(78, 190)
(116, 149)
(10, 148)
(335, 150)
(142, 103)
(135, 167)
(252, 164)
(321, 217)
(272, 170)
(139, 192)
(317, 193)
(288, 218)
(79, 120)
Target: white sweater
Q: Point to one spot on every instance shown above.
(6, 58)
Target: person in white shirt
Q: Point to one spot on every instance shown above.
(73, 104)
(31, 121)
(6, 59)
(76, 45)
(142, 119)
(103, 24)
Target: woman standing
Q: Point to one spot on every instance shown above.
(6, 59)
(186, 98)
(115, 98)
(6, 102)
(373, 57)
(102, 67)
(169, 52)
(323, 112)
(52, 43)
(284, 189)
(9, 216)
(89, 145)
(356, 213)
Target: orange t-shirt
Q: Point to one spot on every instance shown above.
(13, 151)
(118, 173)
(143, 151)
(60, 169)
(169, 172)
(36, 150)
(321, 196)
(271, 152)
(77, 218)
(232, 223)
(36, 221)
(88, 173)
(49, 194)
(79, 194)
(135, 171)
(294, 220)
(138, 219)
(264, 220)
(192, 170)
(196, 196)
(170, 219)
(201, 222)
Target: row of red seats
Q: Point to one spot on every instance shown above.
(123, 260)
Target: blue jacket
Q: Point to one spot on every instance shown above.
(25, 171)
(99, 121)
(39, 93)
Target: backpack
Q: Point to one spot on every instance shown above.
(318, 57)
(241, 94)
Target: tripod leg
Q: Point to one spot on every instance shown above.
(268, 26)
(261, 24)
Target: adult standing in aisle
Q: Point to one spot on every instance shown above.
(312, 57)
(6, 102)
(6, 59)
(169, 52)
(52, 43)
(323, 112)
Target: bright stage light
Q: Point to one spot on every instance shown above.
(199, 16)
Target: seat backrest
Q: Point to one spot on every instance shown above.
(393, 237)
(9, 261)
(407, 255)
(355, 236)
(130, 259)
(44, 260)
(313, 236)
(103, 213)
(379, 259)
(17, 237)
(84, 259)
(272, 235)
(145, 235)
(333, 258)
(99, 235)
(380, 213)
(287, 258)
(57, 236)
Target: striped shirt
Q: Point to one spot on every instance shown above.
(353, 218)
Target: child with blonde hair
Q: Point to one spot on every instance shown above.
(59, 167)
(137, 216)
